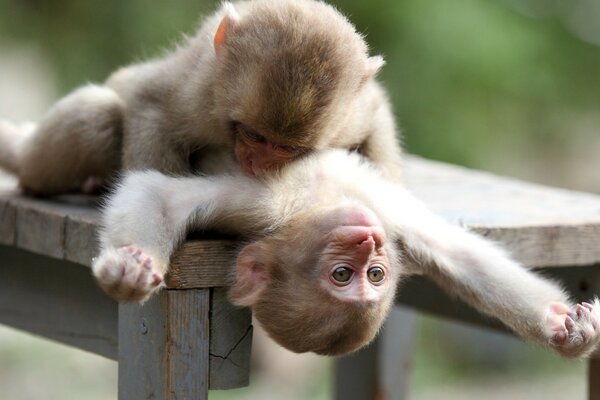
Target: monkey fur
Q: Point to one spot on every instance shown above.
(327, 230)
(268, 80)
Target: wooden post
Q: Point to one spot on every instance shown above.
(164, 346)
(594, 379)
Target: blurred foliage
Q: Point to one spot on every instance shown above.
(465, 76)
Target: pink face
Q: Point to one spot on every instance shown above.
(355, 264)
(257, 154)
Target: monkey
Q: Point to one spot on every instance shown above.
(267, 80)
(327, 241)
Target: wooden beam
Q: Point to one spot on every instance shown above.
(58, 300)
(164, 346)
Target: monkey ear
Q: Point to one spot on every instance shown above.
(374, 64)
(251, 274)
(228, 24)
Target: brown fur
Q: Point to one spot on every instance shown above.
(295, 70)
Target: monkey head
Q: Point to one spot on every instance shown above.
(326, 289)
(288, 73)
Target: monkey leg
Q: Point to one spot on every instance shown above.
(77, 142)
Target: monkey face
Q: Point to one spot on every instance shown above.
(325, 290)
(285, 88)
(258, 153)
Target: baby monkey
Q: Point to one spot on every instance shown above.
(268, 80)
(329, 240)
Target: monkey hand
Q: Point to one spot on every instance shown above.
(127, 274)
(574, 333)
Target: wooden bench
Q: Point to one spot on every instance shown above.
(189, 339)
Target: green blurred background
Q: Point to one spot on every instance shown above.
(506, 85)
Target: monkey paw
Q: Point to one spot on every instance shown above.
(127, 274)
(574, 333)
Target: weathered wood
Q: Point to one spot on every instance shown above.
(395, 354)
(41, 227)
(381, 370)
(58, 300)
(230, 343)
(542, 226)
(81, 243)
(582, 283)
(202, 263)
(355, 375)
(164, 346)
(8, 223)
(594, 379)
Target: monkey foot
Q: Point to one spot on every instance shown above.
(127, 274)
(574, 332)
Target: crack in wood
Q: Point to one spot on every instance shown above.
(235, 346)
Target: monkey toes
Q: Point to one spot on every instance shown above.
(574, 333)
(127, 274)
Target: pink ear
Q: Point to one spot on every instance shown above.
(251, 274)
(228, 23)
(374, 64)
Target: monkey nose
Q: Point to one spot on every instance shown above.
(366, 245)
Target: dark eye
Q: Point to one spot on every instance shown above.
(291, 150)
(250, 135)
(342, 275)
(375, 274)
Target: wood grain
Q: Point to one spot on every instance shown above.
(8, 223)
(202, 263)
(164, 346)
(230, 343)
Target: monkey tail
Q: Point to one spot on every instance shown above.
(11, 139)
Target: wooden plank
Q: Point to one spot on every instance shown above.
(541, 226)
(583, 283)
(40, 228)
(548, 246)
(594, 379)
(355, 375)
(41, 225)
(58, 300)
(8, 222)
(381, 370)
(230, 343)
(164, 346)
(202, 263)
(81, 242)
(395, 354)
(478, 198)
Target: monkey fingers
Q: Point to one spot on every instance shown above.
(574, 332)
(127, 274)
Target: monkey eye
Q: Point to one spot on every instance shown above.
(375, 274)
(249, 135)
(341, 275)
(289, 150)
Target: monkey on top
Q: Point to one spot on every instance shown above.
(266, 80)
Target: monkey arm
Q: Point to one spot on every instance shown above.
(148, 216)
(485, 277)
